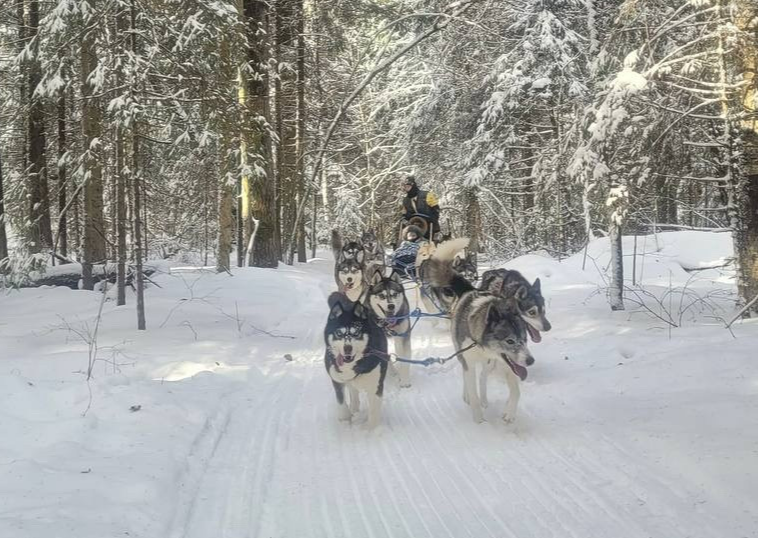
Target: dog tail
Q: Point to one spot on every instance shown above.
(335, 243)
(440, 270)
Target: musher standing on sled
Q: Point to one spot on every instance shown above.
(420, 202)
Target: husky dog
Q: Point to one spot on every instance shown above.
(466, 264)
(390, 309)
(434, 300)
(345, 249)
(488, 323)
(349, 275)
(355, 357)
(375, 254)
(374, 250)
(511, 284)
(424, 254)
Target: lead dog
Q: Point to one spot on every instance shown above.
(355, 357)
(484, 327)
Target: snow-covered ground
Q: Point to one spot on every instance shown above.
(200, 427)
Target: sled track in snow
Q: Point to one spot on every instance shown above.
(284, 466)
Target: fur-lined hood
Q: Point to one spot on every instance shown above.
(415, 229)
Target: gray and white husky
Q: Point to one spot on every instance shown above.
(373, 247)
(355, 357)
(375, 254)
(510, 284)
(350, 278)
(485, 327)
(386, 299)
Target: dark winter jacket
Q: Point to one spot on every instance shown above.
(424, 203)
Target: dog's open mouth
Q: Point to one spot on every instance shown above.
(517, 369)
(533, 333)
(341, 359)
(349, 285)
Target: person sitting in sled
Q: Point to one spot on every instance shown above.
(403, 258)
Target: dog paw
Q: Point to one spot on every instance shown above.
(508, 418)
(344, 414)
(405, 384)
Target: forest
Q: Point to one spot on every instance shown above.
(242, 132)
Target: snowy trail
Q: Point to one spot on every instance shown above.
(284, 466)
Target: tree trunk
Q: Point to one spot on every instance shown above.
(300, 118)
(22, 87)
(225, 234)
(39, 199)
(616, 287)
(138, 246)
(473, 218)
(225, 184)
(266, 252)
(746, 236)
(121, 220)
(63, 237)
(3, 237)
(286, 113)
(94, 243)
(137, 237)
(616, 203)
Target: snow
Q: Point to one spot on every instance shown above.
(626, 427)
(630, 81)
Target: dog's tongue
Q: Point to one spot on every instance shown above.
(340, 360)
(535, 336)
(517, 369)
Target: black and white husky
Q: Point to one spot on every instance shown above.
(390, 309)
(355, 357)
(485, 327)
(346, 249)
(350, 278)
(466, 264)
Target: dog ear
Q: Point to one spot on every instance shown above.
(479, 319)
(361, 255)
(336, 305)
(537, 285)
(521, 292)
(359, 311)
(395, 278)
(512, 305)
(376, 277)
(495, 285)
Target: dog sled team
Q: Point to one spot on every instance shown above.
(490, 323)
